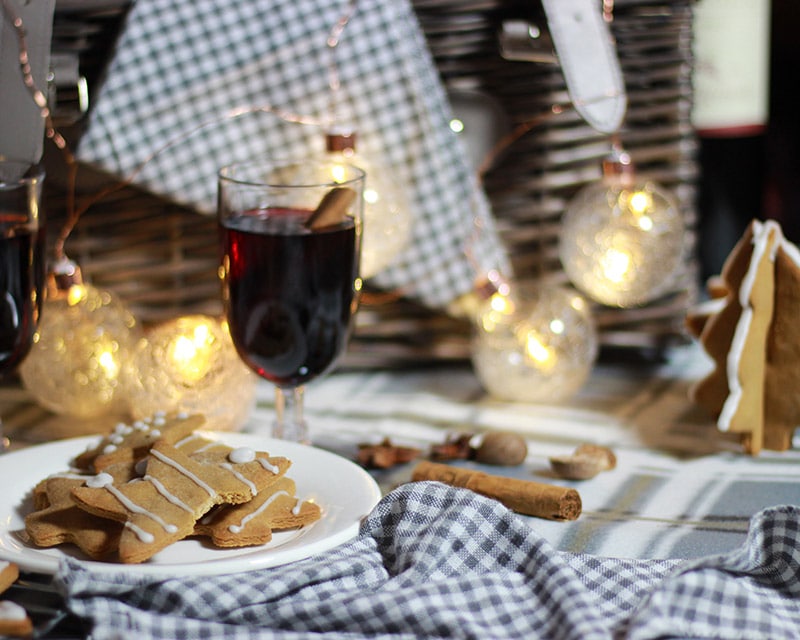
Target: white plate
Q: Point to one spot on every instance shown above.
(344, 490)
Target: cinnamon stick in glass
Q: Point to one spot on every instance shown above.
(548, 501)
(332, 209)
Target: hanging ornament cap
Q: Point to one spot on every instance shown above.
(64, 274)
(490, 284)
(619, 165)
(340, 141)
(484, 289)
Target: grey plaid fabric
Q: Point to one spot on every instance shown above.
(182, 69)
(436, 562)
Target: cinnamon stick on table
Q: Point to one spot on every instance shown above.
(527, 497)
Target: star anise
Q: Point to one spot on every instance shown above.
(385, 454)
(455, 447)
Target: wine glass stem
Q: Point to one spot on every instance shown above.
(289, 422)
(4, 441)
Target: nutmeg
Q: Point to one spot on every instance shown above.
(502, 448)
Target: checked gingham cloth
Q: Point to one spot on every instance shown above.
(193, 86)
(432, 561)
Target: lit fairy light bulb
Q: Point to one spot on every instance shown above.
(189, 354)
(84, 337)
(535, 346)
(387, 213)
(190, 364)
(622, 238)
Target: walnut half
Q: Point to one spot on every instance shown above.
(585, 462)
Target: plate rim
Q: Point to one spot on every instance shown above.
(48, 560)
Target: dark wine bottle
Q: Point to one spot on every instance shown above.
(731, 118)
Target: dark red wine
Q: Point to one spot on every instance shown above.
(21, 283)
(288, 292)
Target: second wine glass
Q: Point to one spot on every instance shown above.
(22, 269)
(290, 238)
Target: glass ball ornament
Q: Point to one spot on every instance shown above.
(190, 364)
(622, 238)
(84, 337)
(387, 212)
(535, 346)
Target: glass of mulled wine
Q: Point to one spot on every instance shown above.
(290, 236)
(22, 269)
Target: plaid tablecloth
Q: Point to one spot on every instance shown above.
(681, 488)
(436, 562)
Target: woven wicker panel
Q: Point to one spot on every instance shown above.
(161, 259)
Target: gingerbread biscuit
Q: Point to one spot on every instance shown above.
(743, 409)
(751, 338)
(163, 506)
(782, 378)
(9, 572)
(14, 620)
(253, 522)
(131, 442)
(39, 496)
(700, 314)
(61, 521)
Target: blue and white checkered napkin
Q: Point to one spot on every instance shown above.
(182, 68)
(436, 562)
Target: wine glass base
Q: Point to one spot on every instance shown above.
(291, 432)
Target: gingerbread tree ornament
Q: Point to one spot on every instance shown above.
(748, 332)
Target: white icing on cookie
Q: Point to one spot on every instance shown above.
(240, 477)
(269, 466)
(169, 461)
(144, 536)
(131, 506)
(761, 233)
(234, 528)
(99, 481)
(241, 455)
(187, 439)
(11, 611)
(170, 497)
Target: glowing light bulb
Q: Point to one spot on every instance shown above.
(622, 239)
(75, 364)
(387, 212)
(534, 346)
(456, 125)
(190, 364)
